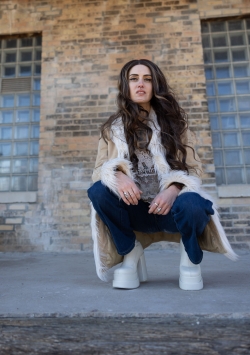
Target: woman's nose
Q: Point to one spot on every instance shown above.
(140, 83)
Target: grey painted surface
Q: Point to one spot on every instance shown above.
(66, 284)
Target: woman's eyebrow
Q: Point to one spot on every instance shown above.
(138, 74)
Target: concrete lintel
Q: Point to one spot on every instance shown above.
(24, 196)
(234, 191)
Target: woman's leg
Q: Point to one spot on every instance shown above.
(120, 218)
(190, 214)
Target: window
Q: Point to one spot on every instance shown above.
(226, 46)
(20, 71)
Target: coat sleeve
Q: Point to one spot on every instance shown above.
(192, 179)
(102, 157)
(107, 163)
(192, 160)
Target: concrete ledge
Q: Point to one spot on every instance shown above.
(23, 196)
(234, 191)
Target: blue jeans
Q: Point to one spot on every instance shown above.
(189, 215)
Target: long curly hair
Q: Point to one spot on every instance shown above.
(172, 119)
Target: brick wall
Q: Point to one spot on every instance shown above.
(85, 43)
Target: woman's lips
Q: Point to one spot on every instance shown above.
(140, 92)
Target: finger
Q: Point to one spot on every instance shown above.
(123, 197)
(133, 197)
(153, 207)
(166, 211)
(137, 192)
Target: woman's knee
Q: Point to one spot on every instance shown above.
(193, 204)
(97, 191)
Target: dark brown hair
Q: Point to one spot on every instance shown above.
(171, 118)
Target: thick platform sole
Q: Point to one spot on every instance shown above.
(129, 280)
(190, 284)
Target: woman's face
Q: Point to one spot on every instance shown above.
(140, 85)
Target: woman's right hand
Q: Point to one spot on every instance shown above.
(127, 189)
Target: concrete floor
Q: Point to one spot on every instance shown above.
(60, 284)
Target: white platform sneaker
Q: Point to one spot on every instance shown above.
(133, 269)
(190, 274)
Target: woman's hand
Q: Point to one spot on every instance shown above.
(163, 202)
(127, 189)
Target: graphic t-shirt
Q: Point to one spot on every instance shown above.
(146, 176)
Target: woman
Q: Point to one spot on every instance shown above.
(147, 184)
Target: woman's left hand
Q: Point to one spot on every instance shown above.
(163, 202)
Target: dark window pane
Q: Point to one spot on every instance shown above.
(220, 176)
(233, 157)
(234, 176)
(212, 105)
(8, 101)
(34, 148)
(218, 158)
(239, 55)
(223, 72)
(37, 69)
(209, 73)
(230, 139)
(237, 40)
(33, 168)
(246, 138)
(221, 56)
(218, 26)
(20, 166)
(204, 27)
(38, 41)
(4, 166)
(25, 70)
(10, 72)
(38, 55)
(5, 149)
(10, 43)
(228, 122)
(5, 133)
(26, 42)
(227, 105)
(245, 121)
(235, 25)
(7, 117)
(23, 116)
(36, 116)
(26, 56)
(243, 87)
(247, 156)
(32, 183)
(225, 88)
(219, 41)
(10, 57)
(18, 183)
(241, 71)
(21, 149)
(216, 140)
(214, 122)
(210, 89)
(4, 183)
(244, 103)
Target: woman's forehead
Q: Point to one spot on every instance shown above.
(140, 69)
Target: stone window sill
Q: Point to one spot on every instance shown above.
(12, 197)
(234, 191)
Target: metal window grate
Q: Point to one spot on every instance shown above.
(20, 75)
(226, 47)
(15, 85)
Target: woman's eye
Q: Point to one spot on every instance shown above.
(148, 79)
(132, 79)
